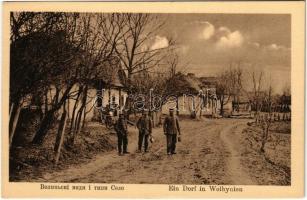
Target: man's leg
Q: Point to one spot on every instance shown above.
(146, 142)
(125, 143)
(141, 135)
(169, 143)
(174, 141)
(119, 143)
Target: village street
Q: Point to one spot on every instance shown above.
(75, 77)
(208, 154)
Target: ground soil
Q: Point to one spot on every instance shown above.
(212, 151)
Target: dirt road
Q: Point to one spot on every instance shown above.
(206, 155)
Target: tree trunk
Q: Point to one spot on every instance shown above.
(68, 109)
(11, 110)
(84, 118)
(44, 127)
(49, 118)
(79, 115)
(84, 105)
(56, 97)
(77, 126)
(128, 103)
(72, 127)
(14, 124)
(60, 137)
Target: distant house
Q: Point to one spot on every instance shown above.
(204, 91)
(212, 103)
(208, 82)
(195, 94)
(241, 104)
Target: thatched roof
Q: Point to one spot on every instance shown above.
(184, 84)
(112, 77)
(193, 82)
(208, 82)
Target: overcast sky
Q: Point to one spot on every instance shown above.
(210, 42)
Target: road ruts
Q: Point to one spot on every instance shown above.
(206, 155)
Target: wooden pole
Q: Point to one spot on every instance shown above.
(60, 137)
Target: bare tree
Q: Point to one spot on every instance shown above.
(263, 104)
(223, 90)
(235, 84)
(268, 118)
(101, 33)
(135, 50)
(257, 92)
(229, 85)
(40, 55)
(60, 51)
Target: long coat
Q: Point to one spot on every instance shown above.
(171, 125)
(121, 126)
(145, 125)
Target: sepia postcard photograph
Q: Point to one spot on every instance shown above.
(153, 99)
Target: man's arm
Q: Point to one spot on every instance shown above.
(178, 127)
(150, 126)
(125, 125)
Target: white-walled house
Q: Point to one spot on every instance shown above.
(109, 96)
(100, 95)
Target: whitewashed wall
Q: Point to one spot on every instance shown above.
(91, 99)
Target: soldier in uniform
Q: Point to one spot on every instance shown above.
(122, 134)
(144, 125)
(171, 129)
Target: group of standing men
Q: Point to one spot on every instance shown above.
(171, 130)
